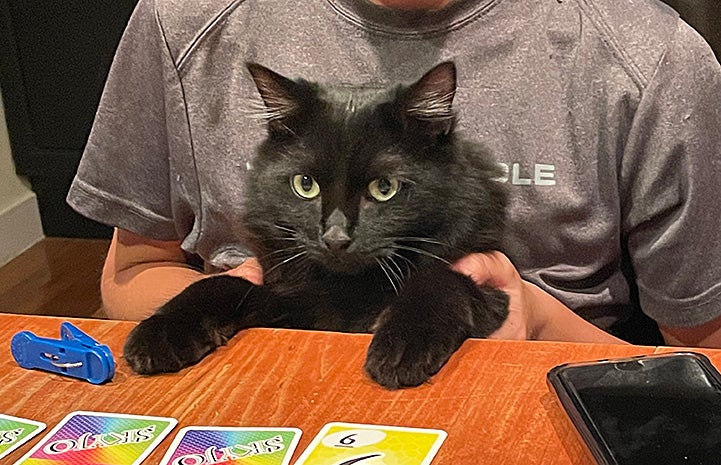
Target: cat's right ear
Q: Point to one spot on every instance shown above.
(280, 95)
(428, 103)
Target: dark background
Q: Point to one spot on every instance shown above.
(54, 58)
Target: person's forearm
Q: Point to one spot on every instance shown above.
(137, 292)
(553, 321)
(140, 275)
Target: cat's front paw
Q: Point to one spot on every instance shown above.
(163, 344)
(409, 355)
(193, 323)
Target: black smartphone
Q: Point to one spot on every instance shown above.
(660, 409)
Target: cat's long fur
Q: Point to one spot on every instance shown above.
(393, 197)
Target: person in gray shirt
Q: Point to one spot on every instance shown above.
(605, 116)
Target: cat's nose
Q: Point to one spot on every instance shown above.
(336, 233)
(336, 238)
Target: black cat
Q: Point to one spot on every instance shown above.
(357, 203)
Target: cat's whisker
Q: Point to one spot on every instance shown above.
(408, 262)
(382, 265)
(284, 228)
(273, 239)
(420, 239)
(426, 240)
(399, 275)
(422, 252)
(292, 234)
(289, 259)
(299, 272)
(282, 251)
(242, 300)
(398, 278)
(406, 259)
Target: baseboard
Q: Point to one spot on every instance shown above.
(20, 228)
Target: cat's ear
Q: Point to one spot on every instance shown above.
(429, 101)
(281, 96)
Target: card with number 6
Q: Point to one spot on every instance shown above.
(357, 444)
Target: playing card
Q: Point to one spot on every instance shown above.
(94, 438)
(350, 444)
(15, 432)
(232, 445)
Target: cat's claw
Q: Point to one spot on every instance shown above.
(162, 345)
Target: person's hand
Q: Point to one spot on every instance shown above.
(250, 270)
(494, 269)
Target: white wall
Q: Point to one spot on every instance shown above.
(20, 226)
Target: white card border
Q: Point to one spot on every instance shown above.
(181, 434)
(442, 435)
(172, 423)
(41, 427)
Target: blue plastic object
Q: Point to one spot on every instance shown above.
(75, 354)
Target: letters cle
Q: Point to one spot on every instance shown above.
(538, 174)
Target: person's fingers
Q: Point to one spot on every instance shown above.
(250, 270)
(490, 268)
(474, 266)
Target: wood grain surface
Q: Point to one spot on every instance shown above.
(491, 397)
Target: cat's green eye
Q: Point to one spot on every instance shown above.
(305, 186)
(383, 189)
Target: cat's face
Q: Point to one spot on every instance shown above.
(350, 179)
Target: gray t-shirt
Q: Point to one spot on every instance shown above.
(606, 115)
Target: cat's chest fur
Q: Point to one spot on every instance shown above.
(335, 302)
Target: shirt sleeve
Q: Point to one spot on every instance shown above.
(123, 176)
(670, 174)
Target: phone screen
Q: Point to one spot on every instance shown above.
(660, 410)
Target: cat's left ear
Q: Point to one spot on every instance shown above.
(429, 101)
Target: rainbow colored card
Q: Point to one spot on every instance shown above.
(350, 443)
(94, 438)
(195, 445)
(14, 432)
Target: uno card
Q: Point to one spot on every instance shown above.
(14, 432)
(195, 445)
(348, 443)
(95, 438)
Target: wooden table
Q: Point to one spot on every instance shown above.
(491, 398)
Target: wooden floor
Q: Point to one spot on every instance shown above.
(57, 276)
